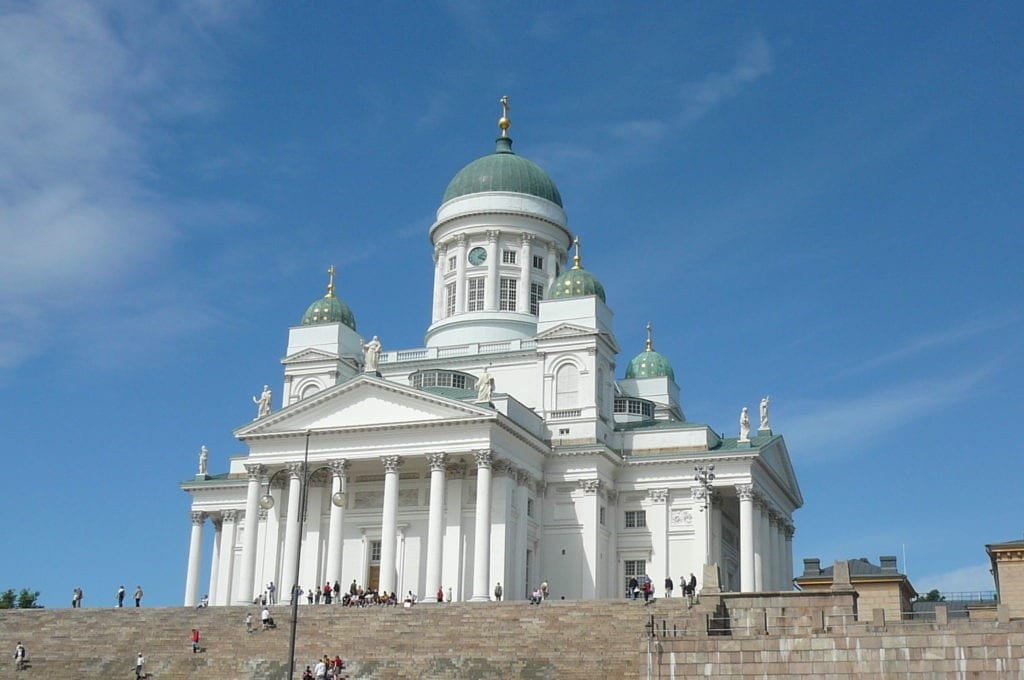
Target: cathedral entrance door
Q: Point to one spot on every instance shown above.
(374, 577)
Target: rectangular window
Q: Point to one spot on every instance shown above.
(475, 295)
(451, 263)
(449, 300)
(636, 519)
(600, 516)
(536, 295)
(633, 569)
(538, 262)
(508, 257)
(507, 302)
(375, 551)
(529, 507)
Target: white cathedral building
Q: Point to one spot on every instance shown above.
(504, 450)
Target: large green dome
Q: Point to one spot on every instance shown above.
(576, 282)
(650, 364)
(329, 309)
(503, 170)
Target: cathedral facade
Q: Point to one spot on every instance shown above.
(505, 450)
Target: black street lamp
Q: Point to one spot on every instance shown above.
(267, 502)
(704, 477)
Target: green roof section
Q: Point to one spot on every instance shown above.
(329, 308)
(576, 283)
(650, 364)
(503, 170)
(457, 393)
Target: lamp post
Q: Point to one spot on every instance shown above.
(704, 477)
(267, 502)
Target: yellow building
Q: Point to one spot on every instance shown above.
(879, 586)
(1008, 572)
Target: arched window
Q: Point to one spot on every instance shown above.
(567, 387)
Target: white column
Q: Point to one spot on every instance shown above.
(657, 523)
(789, 530)
(760, 558)
(525, 267)
(591, 520)
(778, 568)
(701, 526)
(460, 273)
(482, 535)
(493, 263)
(389, 522)
(289, 570)
(550, 260)
(195, 556)
(454, 562)
(246, 579)
(746, 496)
(435, 525)
(517, 589)
(438, 307)
(335, 533)
(215, 561)
(227, 557)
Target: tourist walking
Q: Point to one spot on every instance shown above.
(19, 657)
(140, 662)
(138, 596)
(497, 592)
(248, 622)
(668, 586)
(195, 640)
(120, 596)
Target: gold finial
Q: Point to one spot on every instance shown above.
(504, 123)
(330, 282)
(650, 347)
(576, 257)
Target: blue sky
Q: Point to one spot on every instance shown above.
(817, 201)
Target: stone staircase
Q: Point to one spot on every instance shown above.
(563, 640)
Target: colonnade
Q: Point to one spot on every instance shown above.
(528, 246)
(766, 543)
(224, 591)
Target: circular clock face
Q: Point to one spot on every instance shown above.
(477, 256)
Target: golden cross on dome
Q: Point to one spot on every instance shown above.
(330, 282)
(576, 257)
(650, 347)
(504, 122)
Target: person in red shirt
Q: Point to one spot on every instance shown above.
(327, 593)
(195, 640)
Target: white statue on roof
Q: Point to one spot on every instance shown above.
(203, 456)
(764, 415)
(484, 387)
(371, 355)
(744, 425)
(263, 403)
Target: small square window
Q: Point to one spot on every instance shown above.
(508, 257)
(538, 262)
(451, 263)
(636, 519)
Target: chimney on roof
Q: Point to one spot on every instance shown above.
(812, 566)
(888, 563)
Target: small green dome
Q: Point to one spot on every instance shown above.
(503, 170)
(650, 364)
(576, 282)
(329, 309)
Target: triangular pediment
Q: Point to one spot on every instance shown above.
(566, 330)
(309, 355)
(776, 457)
(365, 402)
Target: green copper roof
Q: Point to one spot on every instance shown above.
(650, 364)
(576, 283)
(503, 171)
(329, 309)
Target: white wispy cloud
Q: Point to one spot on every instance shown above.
(923, 343)
(864, 417)
(698, 98)
(972, 578)
(83, 87)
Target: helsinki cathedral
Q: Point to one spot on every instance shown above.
(505, 450)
